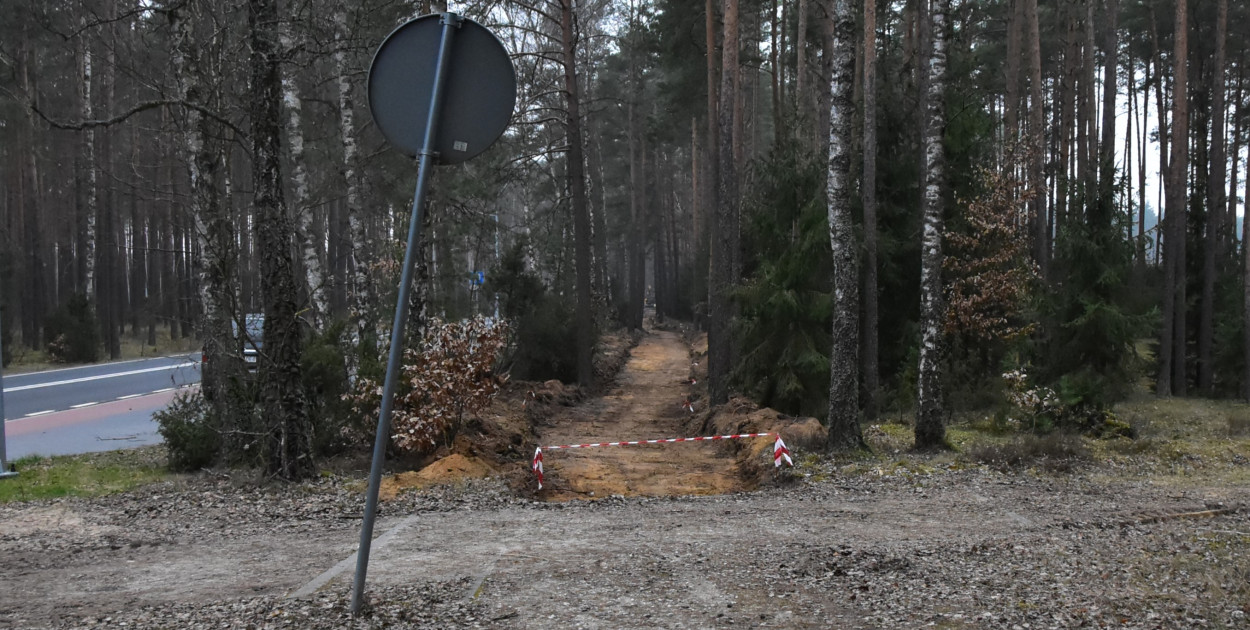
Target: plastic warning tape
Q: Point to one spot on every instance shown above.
(780, 452)
(661, 441)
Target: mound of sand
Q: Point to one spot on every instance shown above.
(449, 469)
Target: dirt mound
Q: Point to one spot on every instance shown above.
(450, 469)
(754, 456)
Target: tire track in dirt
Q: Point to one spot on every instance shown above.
(644, 403)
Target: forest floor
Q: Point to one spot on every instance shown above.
(1147, 534)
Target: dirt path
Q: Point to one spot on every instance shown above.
(645, 403)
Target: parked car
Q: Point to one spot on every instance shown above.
(253, 339)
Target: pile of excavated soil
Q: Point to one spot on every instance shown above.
(450, 469)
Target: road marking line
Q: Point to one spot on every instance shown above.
(349, 562)
(191, 357)
(99, 377)
(161, 391)
(38, 413)
(130, 396)
(83, 405)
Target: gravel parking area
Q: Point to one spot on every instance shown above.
(951, 547)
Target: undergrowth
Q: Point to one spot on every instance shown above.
(92, 474)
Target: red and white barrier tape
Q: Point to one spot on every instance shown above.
(780, 451)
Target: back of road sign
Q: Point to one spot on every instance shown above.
(478, 97)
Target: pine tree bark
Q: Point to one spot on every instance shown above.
(843, 419)
(1037, 140)
(802, 84)
(577, 189)
(1215, 206)
(930, 408)
(1011, 105)
(725, 223)
(1173, 350)
(711, 177)
(868, 191)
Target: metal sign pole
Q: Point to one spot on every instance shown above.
(450, 22)
(4, 462)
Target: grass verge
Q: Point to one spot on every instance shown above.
(92, 474)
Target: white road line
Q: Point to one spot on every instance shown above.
(350, 561)
(161, 391)
(99, 377)
(130, 396)
(38, 413)
(181, 355)
(83, 405)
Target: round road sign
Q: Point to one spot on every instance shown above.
(478, 96)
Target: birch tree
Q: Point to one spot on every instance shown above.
(930, 430)
(314, 273)
(843, 420)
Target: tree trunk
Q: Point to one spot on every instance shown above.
(634, 250)
(1143, 113)
(725, 224)
(711, 177)
(282, 400)
(214, 228)
(930, 409)
(314, 271)
(1234, 174)
(1011, 105)
(1174, 265)
(361, 286)
(577, 188)
(1215, 208)
(90, 192)
(802, 85)
(843, 420)
(868, 192)
(1037, 140)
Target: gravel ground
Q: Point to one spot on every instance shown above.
(833, 546)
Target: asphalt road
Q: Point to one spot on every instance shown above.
(94, 407)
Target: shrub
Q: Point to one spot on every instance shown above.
(324, 373)
(450, 376)
(72, 334)
(190, 436)
(540, 348)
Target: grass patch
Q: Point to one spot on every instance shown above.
(1054, 452)
(92, 474)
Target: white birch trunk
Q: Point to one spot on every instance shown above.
(843, 420)
(930, 431)
(314, 274)
(361, 287)
(86, 111)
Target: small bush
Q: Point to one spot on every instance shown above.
(190, 437)
(72, 334)
(324, 371)
(449, 377)
(1056, 452)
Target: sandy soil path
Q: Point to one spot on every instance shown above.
(645, 403)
